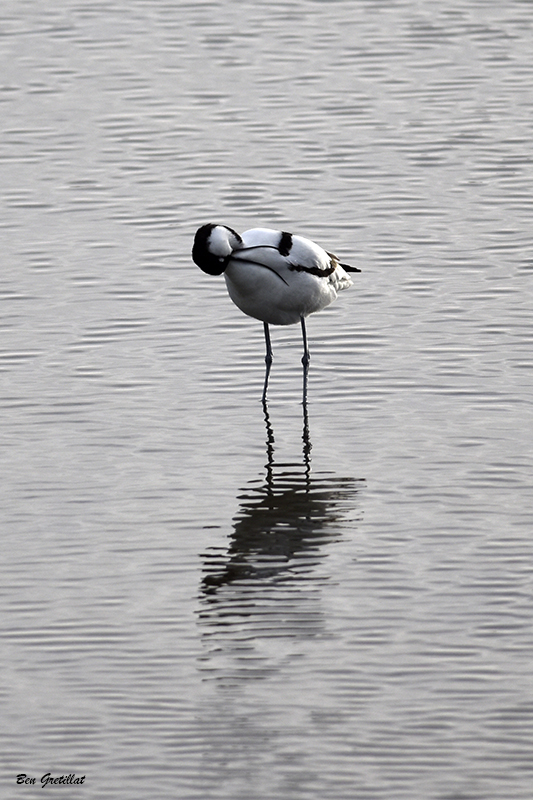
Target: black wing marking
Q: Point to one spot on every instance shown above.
(320, 273)
(285, 243)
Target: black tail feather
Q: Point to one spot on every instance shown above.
(348, 268)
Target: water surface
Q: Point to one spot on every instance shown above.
(200, 601)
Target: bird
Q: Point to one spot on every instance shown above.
(273, 276)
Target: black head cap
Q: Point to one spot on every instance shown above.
(213, 246)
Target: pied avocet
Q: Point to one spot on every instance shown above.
(273, 276)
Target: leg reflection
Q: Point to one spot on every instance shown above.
(270, 440)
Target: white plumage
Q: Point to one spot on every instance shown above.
(273, 276)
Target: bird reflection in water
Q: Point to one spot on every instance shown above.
(261, 606)
(282, 522)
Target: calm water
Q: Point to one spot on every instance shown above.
(199, 601)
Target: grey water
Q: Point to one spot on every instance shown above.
(200, 600)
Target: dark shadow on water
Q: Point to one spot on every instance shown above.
(261, 591)
(282, 522)
(261, 615)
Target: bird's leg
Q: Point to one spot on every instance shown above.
(306, 356)
(268, 360)
(305, 360)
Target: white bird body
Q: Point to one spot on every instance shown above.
(273, 276)
(277, 288)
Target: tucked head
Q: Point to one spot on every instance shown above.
(213, 245)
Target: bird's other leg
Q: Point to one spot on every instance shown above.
(268, 360)
(305, 360)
